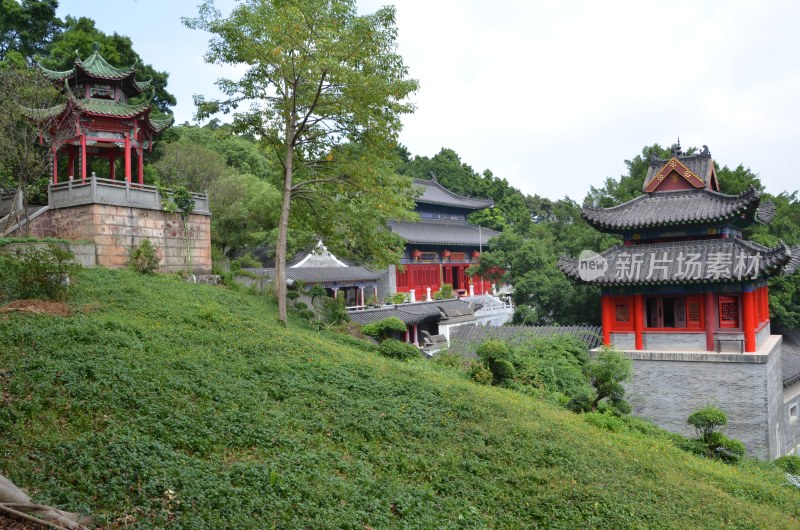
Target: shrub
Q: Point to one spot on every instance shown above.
(396, 349)
(581, 402)
(714, 444)
(37, 273)
(398, 298)
(707, 420)
(144, 259)
(492, 350)
(480, 374)
(726, 449)
(245, 261)
(609, 422)
(333, 310)
(382, 329)
(789, 463)
(445, 292)
(605, 373)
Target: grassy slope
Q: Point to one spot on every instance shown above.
(169, 387)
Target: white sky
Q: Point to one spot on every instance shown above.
(554, 96)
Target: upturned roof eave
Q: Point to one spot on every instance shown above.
(746, 202)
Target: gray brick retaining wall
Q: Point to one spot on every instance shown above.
(667, 386)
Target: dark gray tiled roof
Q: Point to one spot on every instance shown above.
(442, 232)
(411, 314)
(323, 274)
(791, 357)
(791, 267)
(766, 212)
(670, 208)
(707, 260)
(435, 193)
(464, 340)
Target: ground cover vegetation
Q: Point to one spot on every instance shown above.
(160, 403)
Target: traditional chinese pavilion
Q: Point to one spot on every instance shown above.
(105, 120)
(685, 278)
(441, 245)
(685, 298)
(106, 116)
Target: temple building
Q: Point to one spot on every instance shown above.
(685, 296)
(318, 266)
(441, 245)
(105, 121)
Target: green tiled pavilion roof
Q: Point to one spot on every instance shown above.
(109, 107)
(95, 66)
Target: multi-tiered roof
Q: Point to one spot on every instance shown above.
(443, 218)
(96, 88)
(682, 229)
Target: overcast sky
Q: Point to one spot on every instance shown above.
(554, 96)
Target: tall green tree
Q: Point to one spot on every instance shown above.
(323, 85)
(24, 158)
(26, 28)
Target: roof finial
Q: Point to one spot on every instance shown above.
(96, 47)
(676, 148)
(433, 176)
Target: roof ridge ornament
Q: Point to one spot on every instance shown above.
(676, 148)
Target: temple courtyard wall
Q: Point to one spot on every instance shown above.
(667, 386)
(115, 231)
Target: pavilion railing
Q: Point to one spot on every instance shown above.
(96, 190)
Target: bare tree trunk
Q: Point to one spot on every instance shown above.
(14, 500)
(283, 225)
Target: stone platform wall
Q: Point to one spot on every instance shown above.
(117, 230)
(668, 386)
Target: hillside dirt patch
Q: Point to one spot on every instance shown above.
(37, 307)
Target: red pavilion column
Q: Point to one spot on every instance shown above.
(709, 319)
(140, 165)
(127, 157)
(83, 156)
(766, 303)
(749, 318)
(55, 166)
(605, 309)
(638, 319)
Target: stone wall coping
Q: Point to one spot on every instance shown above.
(96, 190)
(761, 356)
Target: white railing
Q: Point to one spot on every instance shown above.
(114, 192)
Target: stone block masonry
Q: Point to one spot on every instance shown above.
(667, 386)
(117, 230)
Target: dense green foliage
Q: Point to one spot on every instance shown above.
(144, 259)
(37, 273)
(709, 441)
(166, 404)
(382, 329)
(397, 349)
(549, 366)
